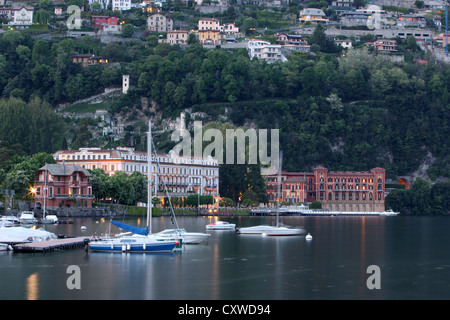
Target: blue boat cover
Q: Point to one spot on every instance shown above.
(136, 230)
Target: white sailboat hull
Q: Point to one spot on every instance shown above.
(256, 229)
(135, 244)
(283, 231)
(221, 225)
(187, 237)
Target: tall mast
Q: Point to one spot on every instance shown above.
(45, 190)
(149, 174)
(279, 187)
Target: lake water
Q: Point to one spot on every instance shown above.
(411, 253)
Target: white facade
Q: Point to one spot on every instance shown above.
(121, 5)
(180, 174)
(229, 28)
(209, 24)
(264, 50)
(18, 16)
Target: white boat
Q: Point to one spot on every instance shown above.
(389, 212)
(283, 231)
(27, 217)
(308, 236)
(51, 218)
(23, 235)
(142, 240)
(5, 247)
(12, 219)
(6, 224)
(256, 229)
(221, 225)
(276, 230)
(187, 237)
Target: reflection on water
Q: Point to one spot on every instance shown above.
(410, 251)
(33, 287)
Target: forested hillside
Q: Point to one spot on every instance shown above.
(349, 111)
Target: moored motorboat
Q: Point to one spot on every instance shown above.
(389, 212)
(6, 224)
(221, 225)
(5, 247)
(27, 217)
(51, 218)
(12, 219)
(23, 235)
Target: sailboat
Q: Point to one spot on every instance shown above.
(278, 229)
(176, 231)
(141, 240)
(51, 218)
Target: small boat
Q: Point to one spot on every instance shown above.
(5, 247)
(308, 236)
(221, 225)
(282, 231)
(187, 237)
(27, 217)
(6, 224)
(256, 229)
(51, 218)
(24, 235)
(12, 219)
(389, 212)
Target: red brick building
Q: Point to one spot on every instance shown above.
(67, 185)
(336, 190)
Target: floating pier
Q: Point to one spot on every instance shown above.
(53, 245)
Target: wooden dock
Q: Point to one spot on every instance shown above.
(52, 245)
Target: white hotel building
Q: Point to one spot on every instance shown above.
(181, 175)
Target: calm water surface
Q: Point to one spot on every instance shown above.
(411, 252)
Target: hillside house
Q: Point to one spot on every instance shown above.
(312, 15)
(209, 24)
(159, 23)
(384, 45)
(411, 20)
(177, 37)
(18, 17)
(102, 21)
(284, 38)
(264, 50)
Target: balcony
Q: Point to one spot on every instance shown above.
(71, 196)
